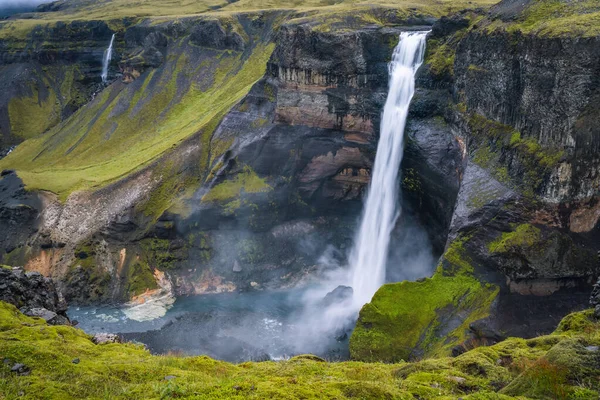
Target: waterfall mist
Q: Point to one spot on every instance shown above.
(106, 59)
(370, 255)
(318, 315)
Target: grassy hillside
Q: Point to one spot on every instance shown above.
(92, 9)
(127, 126)
(63, 363)
(556, 18)
(315, 10)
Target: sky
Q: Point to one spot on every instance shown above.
(21, 3)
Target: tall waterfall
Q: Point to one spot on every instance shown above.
(106, 59)
(369, 255)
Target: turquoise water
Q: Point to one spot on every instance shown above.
(233, 327)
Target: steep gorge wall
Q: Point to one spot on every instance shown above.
(525, 220)
(250, 199)
(528, 122)
(251, 204)
(48, 74)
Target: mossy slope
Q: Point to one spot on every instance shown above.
(37, 98)
(409, 319)
(555, 18)
(536, 367)
(128, 126)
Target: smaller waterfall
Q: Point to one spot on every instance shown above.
(106, 59)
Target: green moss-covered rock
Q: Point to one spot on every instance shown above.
(87, 281)
(494, 143)
(408, 319)
(140, 278)
(524, 235)
(247, 181)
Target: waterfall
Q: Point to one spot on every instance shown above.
(369, 255)
(106, 59)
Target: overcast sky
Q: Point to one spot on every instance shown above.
(21, 3)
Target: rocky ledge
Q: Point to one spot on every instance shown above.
(33, 294)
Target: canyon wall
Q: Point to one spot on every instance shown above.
(232, 154)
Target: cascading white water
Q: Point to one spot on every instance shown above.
(369, 255)
(106, 59)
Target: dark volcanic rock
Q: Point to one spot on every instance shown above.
(338, 295)
(33, 294)
(19, 212)
(595, 299)
(213, 34)
(20, 369)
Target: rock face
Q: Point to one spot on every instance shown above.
(524, 219)
(48, 76)
(501, 167)
(33, 294)
(527, 123)
(251, 204)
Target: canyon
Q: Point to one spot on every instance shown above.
(229, 153)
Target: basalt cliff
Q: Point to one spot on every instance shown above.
(229, 152)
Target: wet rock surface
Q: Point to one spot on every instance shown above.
(338, 295)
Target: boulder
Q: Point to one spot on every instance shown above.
(105, 338)
(338, 295)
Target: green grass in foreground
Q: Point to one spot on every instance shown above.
(556, 366)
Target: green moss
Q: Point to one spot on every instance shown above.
(411, 181)
(104, 142)
(441, 61)
(157, 253)
(403, 317)
(32, 115)
(474, 69)
(310, 357)
(493, 144)
(176, 184)
(578, 323)
(246, 181)
(557, 18)
(140, 278)
(515, 138)
(125, 371)
(524, 235)
(441, 53)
